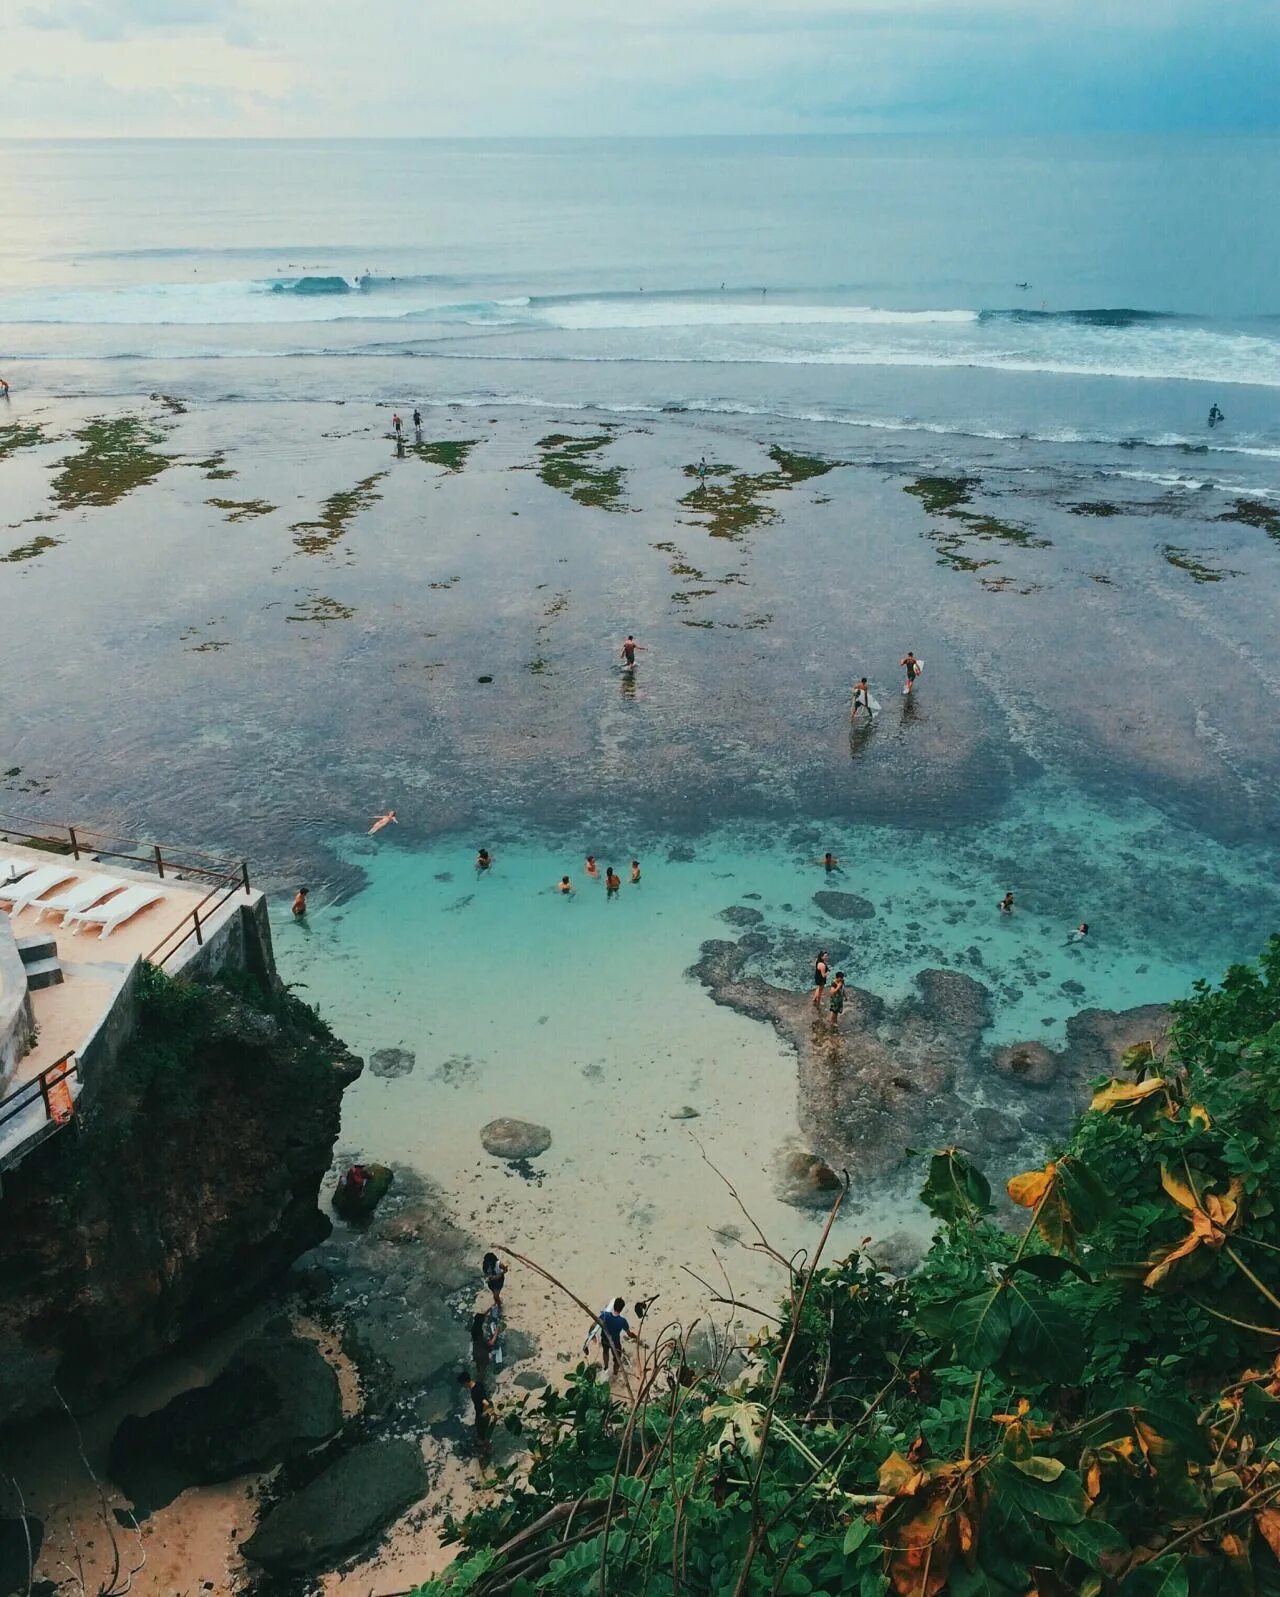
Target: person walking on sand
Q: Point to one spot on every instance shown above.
(382, 820)
(629, 648)
(483, 1410)
(484, 1338)
(613, 1327)
(635, 871)
(836, 1002)
(495, 1275)
(613, 1306)
(612, 881)
(300, 902)
(820, 969)
(911, 666)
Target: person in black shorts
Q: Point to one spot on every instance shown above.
(911, 666)
(482, 1409)
(836, 1002)
(820, 969)
(495, 1275)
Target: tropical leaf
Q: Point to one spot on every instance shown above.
(1124, 1094)
(743, 1424)
(954, 1190)
(1093, 1542)
(1268, 1522)
(1162, 1577)
(1068, 1200)
(977, 1326)
(921, 1533)
(1045, 1342)
(1212, 1216)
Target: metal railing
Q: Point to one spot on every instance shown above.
(224, 878)
(51, 1087)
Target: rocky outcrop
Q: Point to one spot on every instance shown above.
(277, 1398)
(919, 1073)
(342, 1510)
(186, 1186)
(844, 906)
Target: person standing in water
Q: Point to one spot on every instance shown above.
(1006, 904)
(861, 699)
(635, 871)
(300, 902)
(483, 860)
(629, 648)
(820, 969)
(612, 881)
(564, 885)
(911, 666)
(417, 425)
(591, 868)
(1215, 415)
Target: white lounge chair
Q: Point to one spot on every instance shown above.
(84, 895)
(115, 911)
(12, 869)
(42, 880)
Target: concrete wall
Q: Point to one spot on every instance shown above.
(241, 941)
(17, 1023)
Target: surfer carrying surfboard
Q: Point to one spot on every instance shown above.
(913, 668)
(862, 699)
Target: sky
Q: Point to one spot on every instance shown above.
(500, 68)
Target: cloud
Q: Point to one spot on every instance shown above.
(103, 21)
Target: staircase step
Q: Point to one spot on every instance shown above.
(43, 973)
(31, 949)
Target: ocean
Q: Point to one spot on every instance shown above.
(952, 396)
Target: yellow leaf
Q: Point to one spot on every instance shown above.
(1028, 1188)
(1124, 1094)
(1268, 1522)
(895, 1472)
(1179, 1190)
(1198, 1116)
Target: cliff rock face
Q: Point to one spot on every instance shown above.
(187, 1184)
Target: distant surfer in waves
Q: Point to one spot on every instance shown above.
(913, 668)
(1215, 415)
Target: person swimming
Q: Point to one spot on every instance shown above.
(564, 885)
(484, 860)
(612, 881)
(382, 820)
(1080, 933)
(591, 868)
(828, 862)
(1006, 904)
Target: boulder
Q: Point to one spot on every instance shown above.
(276, 1399)
(514, 1139)
(806, 1181)
(353, 1207)
(392, 1062)
(1030, 1062)
(843, 906)
(342, 1510)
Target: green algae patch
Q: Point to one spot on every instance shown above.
(242, 509)
(451, 453)
(1253, 513)
(941, 495)
(1195, 568)
(948, 497)
(215, 466)
(730, 503)
(1095, 507)
(319, 536)
(17, 435)
(569, 465)
(319, 607)
(114, 459)
(29, 551)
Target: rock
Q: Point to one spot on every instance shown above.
(351, 1207)
(392, 1062)
(396, 1349)
(754, 943)
(1030, 1062)
(994, 1130)
(515, 1139)
(897, 1254)
(685, 1112)
(1074, 988)
(741, 915)
(16, 1558)
(530, 1380)
(277, 1398)
(843, 906)
(342, 1510)
(807, 1181)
